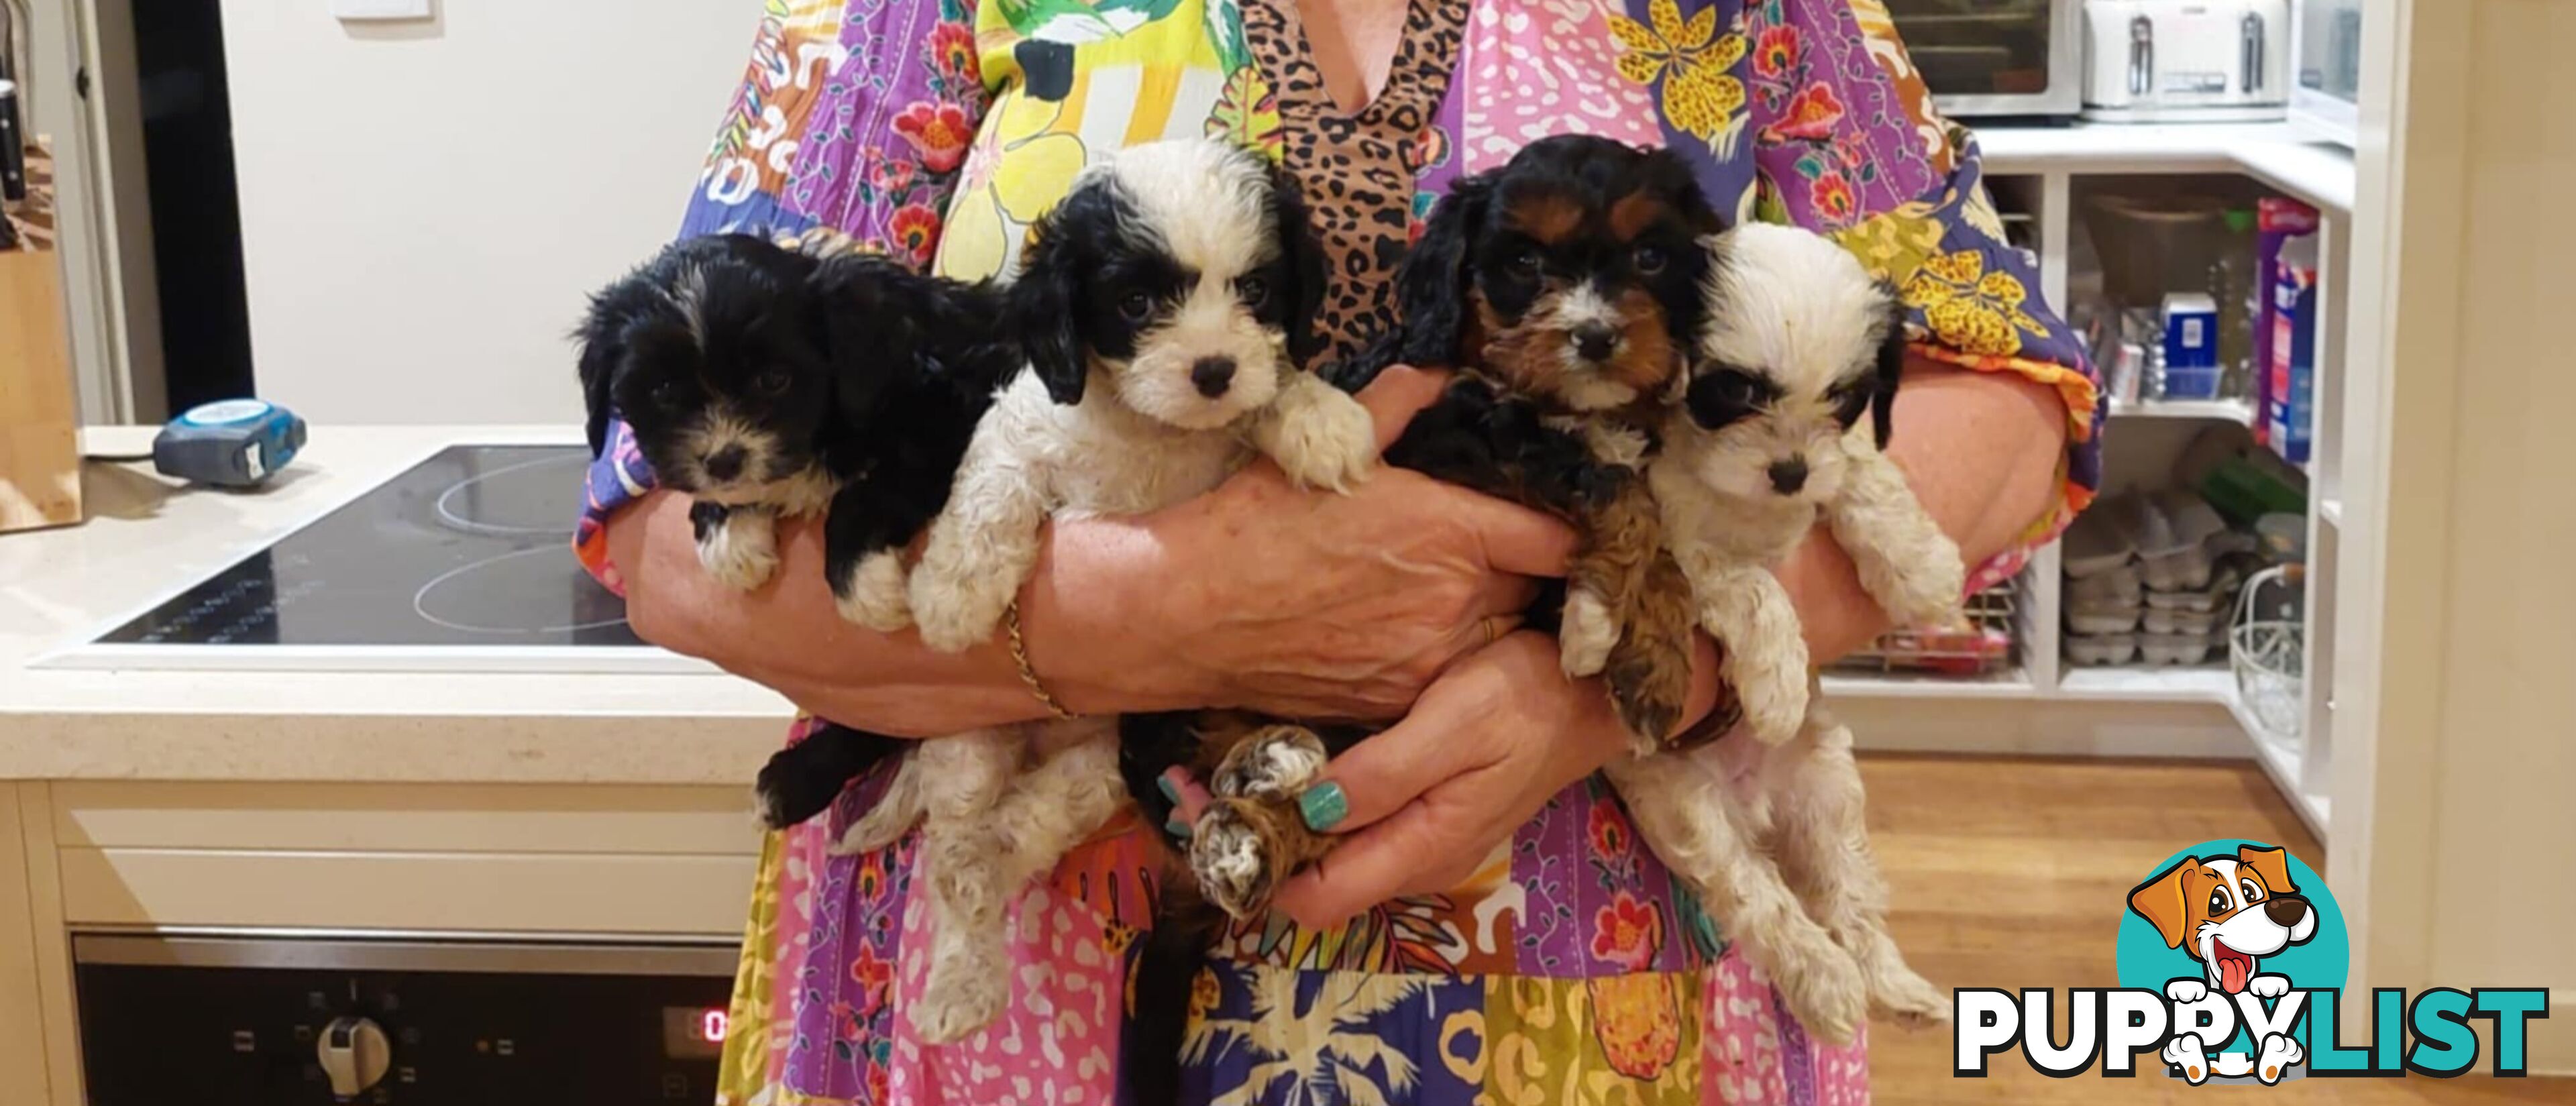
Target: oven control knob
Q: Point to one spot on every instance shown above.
(354, 1054)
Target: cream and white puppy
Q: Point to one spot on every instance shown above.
(1165, 304)
(1799, 344)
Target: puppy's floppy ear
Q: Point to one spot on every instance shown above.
(1890, 372)
(1431, 286)
(603, 335)
(1666, 173)
(1302, 252)
(866, 335)
(2272, 864)
(2160, 900)
(1044, 307)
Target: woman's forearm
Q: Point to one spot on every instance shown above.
(787, 636)
(1984, 453)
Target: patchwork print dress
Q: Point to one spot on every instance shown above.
(1573, 968)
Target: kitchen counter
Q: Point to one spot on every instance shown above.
(147, 536)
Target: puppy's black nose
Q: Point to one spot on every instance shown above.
(1213, 375)
(2286, 910)
(726, 463)
(1790, 475)
(1594, 341)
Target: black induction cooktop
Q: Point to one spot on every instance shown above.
(471, 547)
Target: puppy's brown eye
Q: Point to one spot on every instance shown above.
(2218, 902)
(1254, 291)
(1135, 307)
(2253, 894)
(1849, 403)
(1649, 259)
(1723, 397)
(772, 382)
(666, 394)
(1525, 260)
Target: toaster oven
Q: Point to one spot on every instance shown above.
(1990, 58)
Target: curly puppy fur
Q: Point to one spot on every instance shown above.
(1570, 278)
(1165, 306)
(1799, 344)
(766, 380)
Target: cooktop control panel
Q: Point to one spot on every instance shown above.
(154, 1034)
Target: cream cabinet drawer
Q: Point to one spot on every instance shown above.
(510, 892)
(695, 821)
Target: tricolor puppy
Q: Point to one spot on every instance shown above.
(1165, 307)
(765, 380)
(1566, 287)
(1779, 428)
(2228, 913)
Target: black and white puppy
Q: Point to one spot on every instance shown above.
(1165, 307)
(768, 381)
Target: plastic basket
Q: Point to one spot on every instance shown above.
(2269, 656)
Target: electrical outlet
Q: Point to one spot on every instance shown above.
(380, 9)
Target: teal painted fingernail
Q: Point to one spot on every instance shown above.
(1164, 783)
(1177, 828)
(1323, 806)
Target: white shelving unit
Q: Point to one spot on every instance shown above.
(2045, 706)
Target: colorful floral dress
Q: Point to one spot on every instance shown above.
(1572, 968)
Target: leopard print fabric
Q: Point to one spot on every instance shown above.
(1357, 170)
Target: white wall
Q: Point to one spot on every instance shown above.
(2461, 845)
(425, 204)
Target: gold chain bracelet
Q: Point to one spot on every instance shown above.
(1028, 673)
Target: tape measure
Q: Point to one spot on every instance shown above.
(232, 443)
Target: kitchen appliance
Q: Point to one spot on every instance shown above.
(2325, 99)
(294, 1019)
(2186, 61)
(462, 562)
(1988, 58)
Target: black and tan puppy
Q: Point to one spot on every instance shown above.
(1565, 287)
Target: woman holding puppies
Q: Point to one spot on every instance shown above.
(1490, 922)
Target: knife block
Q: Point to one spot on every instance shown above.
(39, 416)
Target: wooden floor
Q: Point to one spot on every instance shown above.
(2014, 873)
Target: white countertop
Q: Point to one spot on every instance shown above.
(148, 536)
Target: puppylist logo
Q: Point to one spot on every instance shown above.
(2232, 960)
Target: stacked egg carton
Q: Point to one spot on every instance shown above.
(2152, 578)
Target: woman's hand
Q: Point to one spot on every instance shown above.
(1290, 602)
(1487, 745)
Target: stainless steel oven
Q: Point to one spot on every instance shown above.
(1987, 58)
(289, 1019)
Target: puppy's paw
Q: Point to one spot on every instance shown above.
(1275, 762)
(1923, 590)
(2186, 990)
(1229, 858)
(1585, 634)
(873, 592)
(2278, 1055)
(1771, 685)
(956, 1003)
(1773, 709)
(1896, 992)
(2186, 1052)
(1329, 442)
(786, 795)
(740, 552)
(955, 617)
(1822, 985)
(2268, 986)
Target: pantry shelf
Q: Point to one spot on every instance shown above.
(2185, 683)
(2229, 410)
(2005, 685)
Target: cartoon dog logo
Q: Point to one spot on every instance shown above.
(2228, 913)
